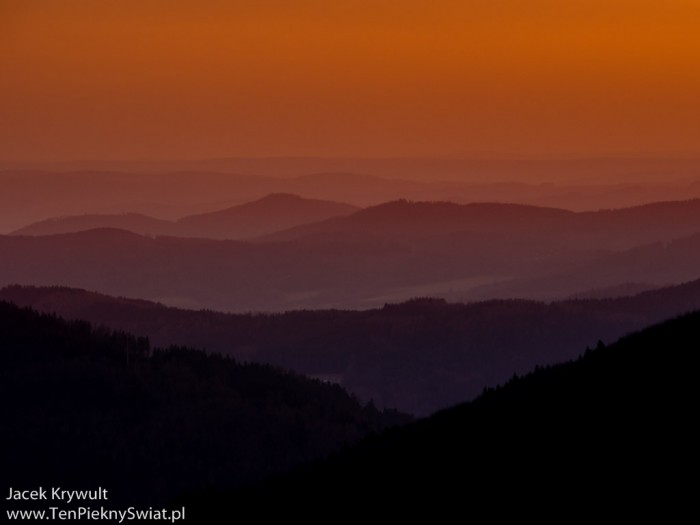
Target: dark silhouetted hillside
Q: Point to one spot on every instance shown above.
(611, 434)
(86, 407)
(418, 356)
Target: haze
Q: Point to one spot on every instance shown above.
(154, 79)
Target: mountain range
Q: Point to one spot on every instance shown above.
(267, 215)
(32, 195)
(602, 229)
(387, 253)
(286, 217)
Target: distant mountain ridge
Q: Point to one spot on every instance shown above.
(133, 222)
(269, 214)
(406, 217)
(372, 262)
(285, 217)
(29, 196)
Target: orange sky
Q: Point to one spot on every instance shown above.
(124, 79)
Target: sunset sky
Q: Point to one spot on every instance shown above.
(176, 79)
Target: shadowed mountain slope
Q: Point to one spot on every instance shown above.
(418, 356)
(88, 407)
(612, 433)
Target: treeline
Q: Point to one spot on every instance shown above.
(417, 356)
(610, 434)
(86, 407)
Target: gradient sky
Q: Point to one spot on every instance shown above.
(125, 79)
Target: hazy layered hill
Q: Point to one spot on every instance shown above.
(419, 356)
(29, 196)
(619, 170)
(612, 292)
(226, 275)
(133, 222)
(609, 433)
(420, 218)
(622, 227)
(93, 408)
(285, 217)
(274, 212)
(658, 263)
(266, 215)
(358, 269)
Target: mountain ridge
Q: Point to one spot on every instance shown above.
(31, 195)
(268, 214)
(250, 219)
(357, 271)
(94, 407)
(600, 435)
(444, 216)
(419, 355)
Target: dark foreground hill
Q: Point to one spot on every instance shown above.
(417, 356)
(612, 434)
(84, 408)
